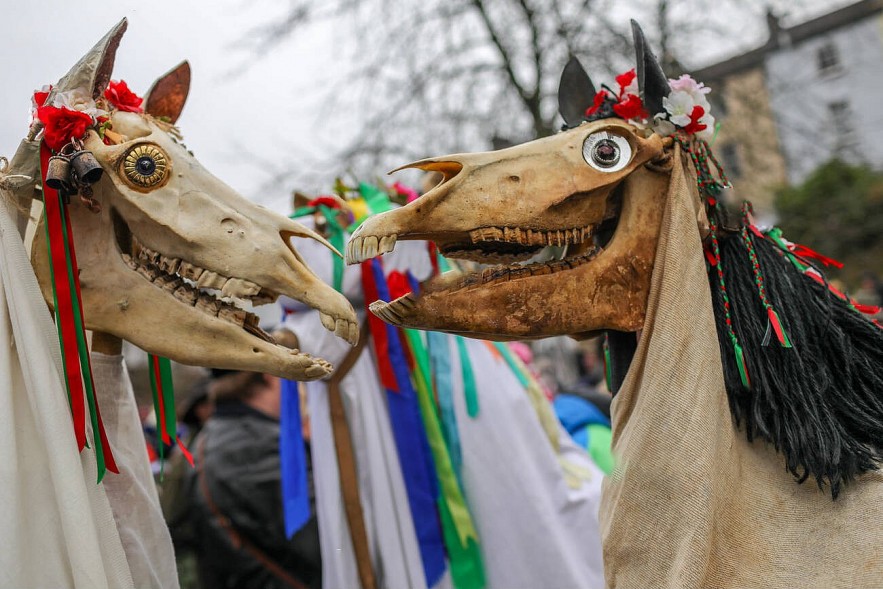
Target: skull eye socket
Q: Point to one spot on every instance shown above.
(607, 152)
(145, 166)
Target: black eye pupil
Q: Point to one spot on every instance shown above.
(606, 152)
(145, 165)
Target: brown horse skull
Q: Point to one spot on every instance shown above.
(595, 190)
(504, 207)
(172, 251)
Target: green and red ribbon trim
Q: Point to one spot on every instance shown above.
(160, 370)
(70, 324)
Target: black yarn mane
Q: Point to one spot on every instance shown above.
(820, 403)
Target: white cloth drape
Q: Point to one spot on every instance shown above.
(56, 522)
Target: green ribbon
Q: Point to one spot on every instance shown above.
(469, 388)
(83, 350)
(461, 539)
(336, 237)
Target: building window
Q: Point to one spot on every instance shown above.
(842, 124)
(731, 160)
(828, 58)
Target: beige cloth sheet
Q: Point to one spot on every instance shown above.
(692, 504)
(57, 526)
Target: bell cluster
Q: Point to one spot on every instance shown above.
(74, 170)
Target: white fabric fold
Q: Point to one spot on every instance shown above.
(57, 523)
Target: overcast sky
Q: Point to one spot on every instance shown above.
(269, 112)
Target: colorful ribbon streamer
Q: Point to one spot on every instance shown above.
(293, 461)
(410, 437)
(162, 387)
(69, 322)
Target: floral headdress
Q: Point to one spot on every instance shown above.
(686, 108)
(72, 113)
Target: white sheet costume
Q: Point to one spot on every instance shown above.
(61, 528)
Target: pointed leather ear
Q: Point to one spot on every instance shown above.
(168, 94)
(93, 71)
(576, 93)
(651, 79)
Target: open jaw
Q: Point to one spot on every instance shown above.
(511, 259)
(209, 296)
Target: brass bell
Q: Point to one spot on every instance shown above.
(58, 173)
(86, 168)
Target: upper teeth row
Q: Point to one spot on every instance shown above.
(360, 249)
(190, 295)
(531, 236)
(231, 287)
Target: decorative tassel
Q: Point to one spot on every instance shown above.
(774, 322)
(740, 363)
(728, 320)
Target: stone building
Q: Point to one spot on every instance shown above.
(812, 92)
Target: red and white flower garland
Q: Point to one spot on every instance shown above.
(74, 112)
(686, 107)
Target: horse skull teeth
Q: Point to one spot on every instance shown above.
(186, 294)
(328, 321)
(209, 279)
(190, 271)
(238, 287)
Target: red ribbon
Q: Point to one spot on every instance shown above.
(805, 252)
(378, 331)
(66, 283)
(64, 304)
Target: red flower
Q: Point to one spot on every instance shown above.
(631, 107)
(122, 98)
(40, 97)
(600, 97)
(624, 80)
(62, 124)
(694, 126)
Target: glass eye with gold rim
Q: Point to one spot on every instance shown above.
(145, 165)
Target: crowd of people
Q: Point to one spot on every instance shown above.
(225, 514)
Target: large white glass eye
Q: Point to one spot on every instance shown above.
(607, 152)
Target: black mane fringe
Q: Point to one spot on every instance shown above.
(820, 403)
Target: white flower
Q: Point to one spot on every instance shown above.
(687, 84)
(708, 132)
(679, 104)
(77, 99)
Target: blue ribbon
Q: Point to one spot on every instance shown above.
(440, 359)
(415, 459)
(292, 461)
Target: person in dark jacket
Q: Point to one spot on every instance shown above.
(236, 494)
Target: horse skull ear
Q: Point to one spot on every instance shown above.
(576, 93)
(93, 71)
(168, 94)
(651, 79)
